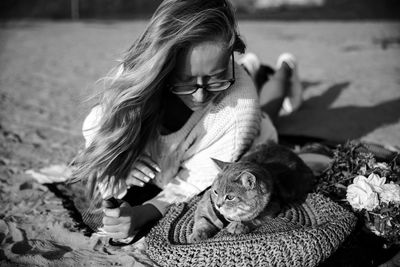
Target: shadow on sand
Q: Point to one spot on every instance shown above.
(317, 119)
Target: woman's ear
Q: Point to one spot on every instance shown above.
(248, 180)
(221, 164)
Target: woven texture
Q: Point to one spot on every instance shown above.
(300, 236)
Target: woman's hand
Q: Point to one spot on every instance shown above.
(125, 221)
(142, 172)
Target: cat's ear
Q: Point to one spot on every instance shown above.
(248, 180)
(221, 164)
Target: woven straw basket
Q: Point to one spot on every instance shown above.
(299, 236)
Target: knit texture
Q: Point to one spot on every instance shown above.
(299, 236)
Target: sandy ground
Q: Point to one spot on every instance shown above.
(350, 71)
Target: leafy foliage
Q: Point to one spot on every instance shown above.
(348, 162)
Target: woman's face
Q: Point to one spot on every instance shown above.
(201, 64)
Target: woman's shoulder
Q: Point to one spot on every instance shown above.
(237, 107)
(242, 94)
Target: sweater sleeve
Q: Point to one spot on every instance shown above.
(91, 124)
(227, 136)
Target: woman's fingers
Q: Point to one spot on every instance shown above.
(114, 213)
(109, 221)
(142, 172)
(117, 222)
(150, 162)
(145, 169)
(117, 235)
(131, 180)
(117, 228)
(137, 178)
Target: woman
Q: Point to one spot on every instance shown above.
(177, 100)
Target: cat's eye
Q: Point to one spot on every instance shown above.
(215, 192)
(230, 197)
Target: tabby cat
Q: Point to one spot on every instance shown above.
(267, 178)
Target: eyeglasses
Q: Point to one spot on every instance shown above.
(221, 85)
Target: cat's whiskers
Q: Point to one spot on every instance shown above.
(241, 213)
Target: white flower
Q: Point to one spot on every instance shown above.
(363, 170)
(376, 182)
(390, 193)
(361, 194)
(381, 165)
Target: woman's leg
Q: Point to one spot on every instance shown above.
(282, 87)
(273, 93)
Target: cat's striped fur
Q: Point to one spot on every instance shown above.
(263, 181)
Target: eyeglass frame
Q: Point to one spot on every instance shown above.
(205, 86)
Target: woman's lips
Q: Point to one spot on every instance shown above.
(201, 104)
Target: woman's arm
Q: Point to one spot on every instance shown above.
(124, 221)
(142, 172)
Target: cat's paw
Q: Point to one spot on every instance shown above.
(237, 228)
(198, 235)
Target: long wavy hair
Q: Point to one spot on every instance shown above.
(132, 95)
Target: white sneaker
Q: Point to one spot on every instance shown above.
(251, 63)
(295, 96)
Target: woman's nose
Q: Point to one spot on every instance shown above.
(201, 94)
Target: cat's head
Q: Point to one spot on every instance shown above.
(237, 192)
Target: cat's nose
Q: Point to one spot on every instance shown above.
(219, 204)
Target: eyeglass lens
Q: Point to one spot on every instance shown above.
(212, 87)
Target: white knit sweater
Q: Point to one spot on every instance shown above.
(223, 130)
